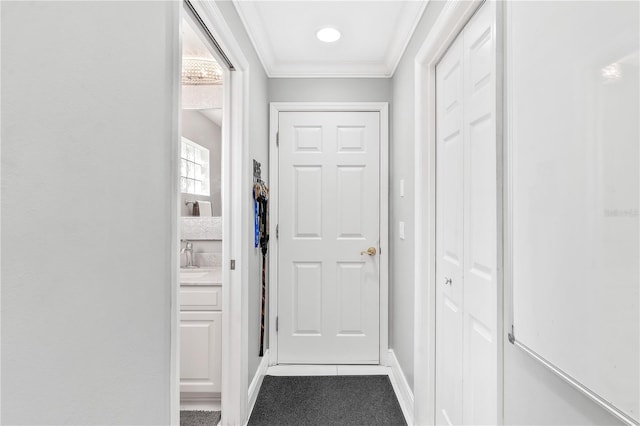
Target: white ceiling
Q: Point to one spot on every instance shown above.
(375, 33)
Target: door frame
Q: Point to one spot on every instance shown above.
(383, 109)
(447, 27)
(235, 177)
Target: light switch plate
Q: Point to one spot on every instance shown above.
(401, 230)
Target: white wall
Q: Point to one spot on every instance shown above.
(329, 90)
(533, 394)
(259, 150)
(573, 134)
(402, 209)
(86, 211)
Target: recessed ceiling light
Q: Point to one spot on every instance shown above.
(328, 35)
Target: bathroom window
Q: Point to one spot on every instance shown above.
(194, 168)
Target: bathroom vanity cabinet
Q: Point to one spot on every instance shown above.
(200, 337)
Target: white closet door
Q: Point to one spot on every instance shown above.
(480, 220)
(449, 236)
(466, 227)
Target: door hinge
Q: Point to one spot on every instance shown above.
(232, 265)
(277, 231)
(277, 138)
(276, 324)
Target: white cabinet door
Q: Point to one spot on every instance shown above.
(200, 351)
(328, 292)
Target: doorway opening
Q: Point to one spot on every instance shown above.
(210, 296)
(201, 285)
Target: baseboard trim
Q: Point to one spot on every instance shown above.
(195, 402)
(254, 387)
(401, 387)
(328, 370)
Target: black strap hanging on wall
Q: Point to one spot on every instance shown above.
(261, 199)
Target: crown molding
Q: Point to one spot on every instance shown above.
(396, 49)
(247, 12)
(274, 68)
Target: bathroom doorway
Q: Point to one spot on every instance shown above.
(201, 284)
(206, 349)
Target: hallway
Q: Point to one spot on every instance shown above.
(451, 234)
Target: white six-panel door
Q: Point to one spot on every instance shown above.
(466, 227)
(328, 290)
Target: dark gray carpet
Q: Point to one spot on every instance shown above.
(199, 418)
(326, 400)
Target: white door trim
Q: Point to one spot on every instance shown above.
(449, 24)
(176, 136)
(235, 178)
(383, 109)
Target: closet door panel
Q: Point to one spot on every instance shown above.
(480, 220)
(449, 236)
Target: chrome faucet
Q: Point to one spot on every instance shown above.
(187, 250)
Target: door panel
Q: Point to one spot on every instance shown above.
(328, 293)
(351, 185)
(480, 221)
(351, 287)
(449, 236)
(307, 201)
(307, 298)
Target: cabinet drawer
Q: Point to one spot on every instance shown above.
(200, 298)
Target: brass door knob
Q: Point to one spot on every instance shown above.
(371, 251)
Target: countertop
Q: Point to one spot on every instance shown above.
(201, 276)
